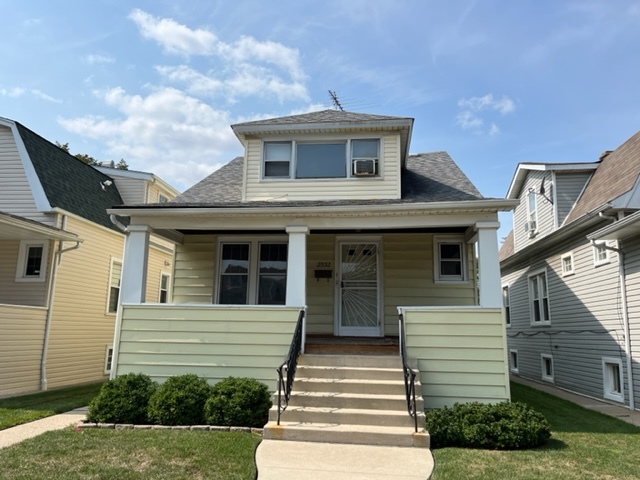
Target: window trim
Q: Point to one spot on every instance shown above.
(254, 261)
(23, 255)
(168, 275)
(161, 197)
(606, 379)
(513, 353)
(596, 261)
(108, 365)
(568, 272)
(537, 273)
(532, 216)
(347, 140)
(506, 305)
(437, 241)
(543, 358)
(111, 263)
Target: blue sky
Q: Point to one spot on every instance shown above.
(158, 82)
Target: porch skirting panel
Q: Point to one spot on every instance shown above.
(211, 341)
(461, 353)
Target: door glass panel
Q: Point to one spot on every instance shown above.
(359, 285)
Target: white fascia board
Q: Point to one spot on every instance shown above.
(624, 228)
(116, 172)
(241, 130)
(521, 172)
(38, 230)
(165, 186)
(39, 197)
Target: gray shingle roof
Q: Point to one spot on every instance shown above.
(323, 116)
(69, 183)
(428, 177)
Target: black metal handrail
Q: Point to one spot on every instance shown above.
(409, 375)
(290, 364)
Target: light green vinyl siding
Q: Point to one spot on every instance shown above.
(320, 292)
(211, 341)
(194, 269)
(461, 354)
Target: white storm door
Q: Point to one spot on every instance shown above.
(359, 289)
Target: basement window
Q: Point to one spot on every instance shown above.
(612, 379)
(547, 367)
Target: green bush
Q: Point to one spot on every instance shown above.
(180, 401)
(238, 402)
(123, 400)
(502, 426)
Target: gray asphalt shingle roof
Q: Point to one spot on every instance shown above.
(323, 116)
(69, 183)
(428, 177)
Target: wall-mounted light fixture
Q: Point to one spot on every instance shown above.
(106, 183)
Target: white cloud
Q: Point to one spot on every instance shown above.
(16, 92)
(468, 120)
(196, 82)
(44, 96)
(503, 105)
(476, 109)
(92, 59)
(12, 92)
(166, 132)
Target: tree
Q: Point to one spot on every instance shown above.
(89, 160)
(122, 165)
(63, 146)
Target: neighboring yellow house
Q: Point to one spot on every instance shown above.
(324, 231)
(61, 261)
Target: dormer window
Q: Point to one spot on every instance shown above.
(330, 159)
(532, 224)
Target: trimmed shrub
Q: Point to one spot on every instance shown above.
(180, 401)
(501, 426)
(123, 400)
(238, 402)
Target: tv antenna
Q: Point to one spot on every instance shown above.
(336, 102)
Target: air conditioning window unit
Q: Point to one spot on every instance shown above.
(530, 227)
(365, 166)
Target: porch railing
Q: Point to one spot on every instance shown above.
(409, 375)
(289, 366)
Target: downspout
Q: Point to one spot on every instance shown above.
(116, 222)
(625, 319)
(116, 330)
(47, 322)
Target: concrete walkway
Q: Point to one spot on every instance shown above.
(283, 460)
(19, 433)
(629, 416)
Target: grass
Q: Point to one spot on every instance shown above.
(132, 454)
(584, 445)
(27, 408)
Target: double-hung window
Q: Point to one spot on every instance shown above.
(328, 159)
(539, 298)
(532, 224)
(567, 264)
(252, 272)
(506, 305)
(32, 261)
(600, 254)
(114, 286)
(450, 261)
(163, 296)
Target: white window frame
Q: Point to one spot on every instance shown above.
(349, 159)
(113, 260)
(162, 198)
(437, 277)
(596, 260)
(532, 316)
(23, 255)
(572, 271)
(254, 262)
(532, 215)
(607, 379)
(513, 354)
(506, 304)
(544, 357)
(168, 275)
(108, 365)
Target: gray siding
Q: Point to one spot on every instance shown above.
(545, 212)
(631, 247)
(586, 320)
(568, 187)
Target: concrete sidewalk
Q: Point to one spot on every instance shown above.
(617, 411)
(19, 433)
(283, 460)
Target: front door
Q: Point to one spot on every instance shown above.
(358, 289)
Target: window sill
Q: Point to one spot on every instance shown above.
(451, 282)
(540, 324)
(568, 274)
(603, 262)
(323, 179)
(30, 280)
(548, 379)
(514, 370)
(614, 397)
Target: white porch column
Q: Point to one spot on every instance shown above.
(297, 266)
(489, 265)
(134, 265)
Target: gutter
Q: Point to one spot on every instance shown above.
(116, 222)
(52, 290)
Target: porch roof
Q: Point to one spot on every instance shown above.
(14, 227)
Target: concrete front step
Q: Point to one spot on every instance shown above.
(351, 400)
(352, 416)
(354, 361)
(346, 433)
(362, 373)
(349, 385)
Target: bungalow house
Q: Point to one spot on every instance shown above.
(571, 273)
(319, 240)
(60, 261)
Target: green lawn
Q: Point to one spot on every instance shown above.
(585, 445)
(27, 408)
(132, 454)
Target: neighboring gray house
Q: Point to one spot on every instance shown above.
(571, 275)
